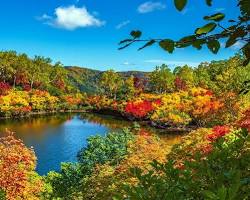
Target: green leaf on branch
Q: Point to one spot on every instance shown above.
(206, 29)
(136, 34)
(238, 33)
(231, 41)
(125, 41)
(149, 43)
(185, 41)
(180, 4)
(244, 7)
(167, 45)
(216, 17)
(198, 43)
(125, 46)
(213, 46)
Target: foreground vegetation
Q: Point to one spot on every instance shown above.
(131, 164)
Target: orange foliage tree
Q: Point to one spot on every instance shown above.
(17, 164)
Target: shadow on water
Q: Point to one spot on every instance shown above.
(58, 138)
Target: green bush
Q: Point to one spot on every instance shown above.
(222, 173)
(109, 149)
(69, 182)
(2, 194)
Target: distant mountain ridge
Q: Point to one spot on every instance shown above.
(86, 79)
(125, 73)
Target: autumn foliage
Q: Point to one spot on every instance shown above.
(180, 84)
(107, 180)
(17, 164)
(4, 88)
(139, 109)
(218, 132)
(244, 122)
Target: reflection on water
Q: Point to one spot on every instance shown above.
(58, 138)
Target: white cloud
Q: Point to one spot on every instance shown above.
(150, 6)
(171, 62)
(45, 17)
(122, 24)
(71, 18)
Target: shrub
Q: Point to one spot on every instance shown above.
(107, 180)
(196, 105)
(221, 173)
(142, 108)
(65, 184)
(18, 178)
(42, 101)
(15, 103)
(109, 149)
(72, 101)
(71, 180)
(244, 122)
(2, 195)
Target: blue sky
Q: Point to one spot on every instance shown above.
(86, 32)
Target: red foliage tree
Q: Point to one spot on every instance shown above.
(218, 132)
(4, 88)
(180, 84)
(21, 79)
(26, 87)
(139, 109)
(37, 84)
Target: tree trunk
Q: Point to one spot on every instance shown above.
(31, 84)
(14, 82)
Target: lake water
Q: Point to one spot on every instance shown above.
(58, 138)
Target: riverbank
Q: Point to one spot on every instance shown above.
(107, 112)
(43, 113)
(148, 122)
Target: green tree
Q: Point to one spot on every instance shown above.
(223, 76)
(186, 73)
(128, 89)
(110, 83)
(161, 79)
(7, 60)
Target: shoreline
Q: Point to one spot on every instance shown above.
(43, 113)
(146, 121)
(107, 112)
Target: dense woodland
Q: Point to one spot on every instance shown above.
(211, 100)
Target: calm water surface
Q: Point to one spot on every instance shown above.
(58, 138)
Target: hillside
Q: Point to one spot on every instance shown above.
(86, 79)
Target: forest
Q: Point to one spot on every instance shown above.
(211, 102)
(204, 108)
